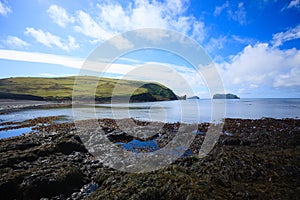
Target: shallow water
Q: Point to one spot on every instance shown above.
(136, 145)
(14, 132)
(187, 111)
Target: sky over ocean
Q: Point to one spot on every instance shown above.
(254, 44)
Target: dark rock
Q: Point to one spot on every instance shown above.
(259, 161)
(193, 97)
(69, 145)
(61, 181)
(236, 141)
(232, 141)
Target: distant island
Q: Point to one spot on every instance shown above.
(225, 96)
(193, 97)
(60, 89)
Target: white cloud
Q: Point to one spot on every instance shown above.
(66, 61)
(14, 41)
(262, 65)
(215, 44)
(239, 15)
(71, 44)
(40, 58)
(219, 9)
(290, 79)
(149, 15)
(51, 40)
(177, 7)
(55, 75)
(89, 27)
(198, 31)
(113, 18)
(291, 34)
(294, 3)
(253, 86)
(59, 15)
(4, 9)
(242, 40)
(121, 43)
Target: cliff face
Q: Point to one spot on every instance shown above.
(61, 89)
(225, 96)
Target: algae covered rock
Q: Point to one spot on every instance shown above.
(258, 160)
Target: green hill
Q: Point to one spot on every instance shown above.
(61, 89)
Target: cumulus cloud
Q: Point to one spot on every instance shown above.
(14, 41)
(290, 34)
(59, 15)
(121, 43)
(89, 27)
(109, 19)
(262, 65)
(114, 18)
(51, 40)
(4, 9)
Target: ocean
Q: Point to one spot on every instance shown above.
(187, 111)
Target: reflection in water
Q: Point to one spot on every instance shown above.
(189, 111)
(14, 132)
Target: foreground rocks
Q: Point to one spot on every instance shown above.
(253, 159)
(36, 166)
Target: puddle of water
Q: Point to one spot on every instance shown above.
(136, 145)
(14, 132)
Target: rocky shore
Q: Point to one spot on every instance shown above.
(253, 159)
(13, 105)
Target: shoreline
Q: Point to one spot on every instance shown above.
(258, 159)
(14, 105)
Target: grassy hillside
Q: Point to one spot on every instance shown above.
(62, 88)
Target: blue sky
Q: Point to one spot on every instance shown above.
(255, 45)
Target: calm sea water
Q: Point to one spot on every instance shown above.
(188, 111)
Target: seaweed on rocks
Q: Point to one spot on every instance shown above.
(258, 159)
